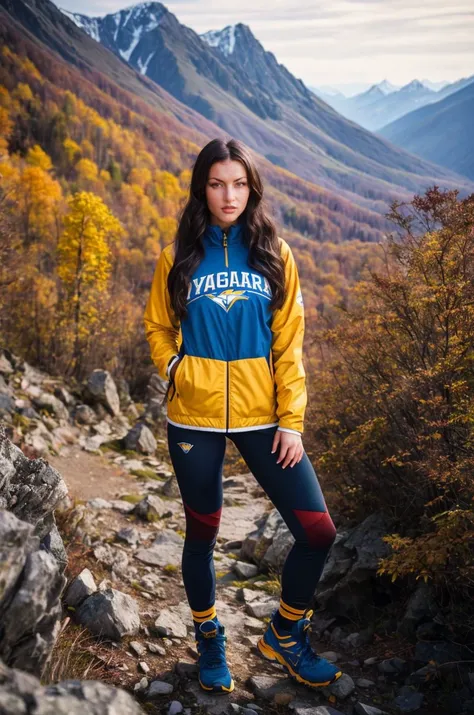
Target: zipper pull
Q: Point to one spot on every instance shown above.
(225, 247)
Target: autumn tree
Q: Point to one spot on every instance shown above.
(9, 248)
(84, 264)
(394, 413)
(39, 198)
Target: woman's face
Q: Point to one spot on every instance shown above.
(227, 186)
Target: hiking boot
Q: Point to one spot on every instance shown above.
(214, 674)
(293, 650)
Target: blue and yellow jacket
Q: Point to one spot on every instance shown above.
(242, 364)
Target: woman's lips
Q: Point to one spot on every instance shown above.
(229, 210)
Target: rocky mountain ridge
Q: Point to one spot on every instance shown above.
(250, 95)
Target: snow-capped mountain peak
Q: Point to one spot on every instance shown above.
(86, 23)
(374, 90)
(123, 30)
(387, 87)
(414, 86)
(223, 39)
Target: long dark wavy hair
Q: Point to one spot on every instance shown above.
(259, 231)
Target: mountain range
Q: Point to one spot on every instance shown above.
(348, 89)
(440, 132)
(383, 103)
(228, 77)
(337, 179)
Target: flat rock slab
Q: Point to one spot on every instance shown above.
(362, 709)
(312, 710)
(266, 686)
(170, 621)
(238, 521)
(18, 692)
(166, 549)
(214, 704)
(341, 689)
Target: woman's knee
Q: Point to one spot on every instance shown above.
(198, 547)
(201, 526)
(318, 527)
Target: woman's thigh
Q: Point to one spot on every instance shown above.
(197, 457)
(295, 491)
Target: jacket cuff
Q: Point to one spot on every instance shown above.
(171, 362)
(287, 429)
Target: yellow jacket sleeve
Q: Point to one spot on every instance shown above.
(287, 350)
(162, 327)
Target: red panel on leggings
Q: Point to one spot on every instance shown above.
(202, 526)
(318, 525)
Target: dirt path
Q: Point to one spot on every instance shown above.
(90, 475)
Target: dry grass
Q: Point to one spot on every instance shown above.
(77, 655)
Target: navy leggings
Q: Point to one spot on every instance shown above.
(294, 491)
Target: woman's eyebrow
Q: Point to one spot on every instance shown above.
(213, 178)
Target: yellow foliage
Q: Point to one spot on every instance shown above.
(167, 227)
(166, 186)
(433, 554)
(3, 146)
(185, 179)
(6, 124)
(87, 170)
(9, 175)
(73, 150)
(146, 160)
(35, 156)
(87, 148)
(31, 69)
(84, 246)
(140, 176)
(329, 294)
(38, 196)
(22, 92)
(4, 97)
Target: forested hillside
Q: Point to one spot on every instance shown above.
(90, 194)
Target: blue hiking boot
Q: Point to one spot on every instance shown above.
(293, 650)
(214, 674)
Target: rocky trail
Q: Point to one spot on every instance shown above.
(141, 557)
(106, 602)
(89, 475)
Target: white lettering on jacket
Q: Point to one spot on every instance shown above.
(235, 279)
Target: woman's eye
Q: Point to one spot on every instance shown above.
(239, 183)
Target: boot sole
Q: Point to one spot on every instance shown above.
(217, 689)
(269, 654)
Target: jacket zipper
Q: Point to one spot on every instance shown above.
(225, 250)
(227, 362)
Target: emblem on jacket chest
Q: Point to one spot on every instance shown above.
(227, 298)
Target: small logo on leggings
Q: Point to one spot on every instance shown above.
(185, 446)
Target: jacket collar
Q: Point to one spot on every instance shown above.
(215, 235)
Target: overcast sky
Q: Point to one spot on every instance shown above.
(348, 44)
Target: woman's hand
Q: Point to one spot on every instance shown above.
(291, 447)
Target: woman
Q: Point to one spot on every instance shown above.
(225, 324)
